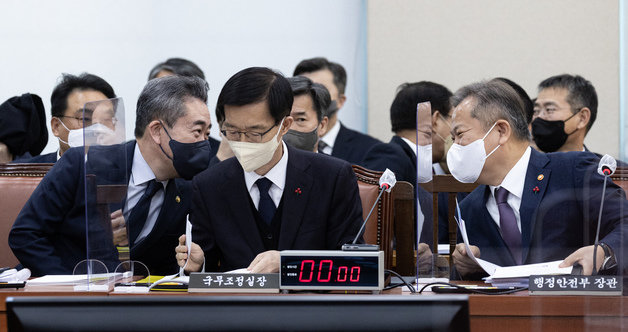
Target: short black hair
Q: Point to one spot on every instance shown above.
(403, 108)
(177, 66)
(580, 93)
(320, 63)
(495, 100)
(70, 83)
(528, 104)
(164, 99)
(253, 85)
(321, 100)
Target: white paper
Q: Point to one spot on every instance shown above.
(239, 271)
(485, 265)
(520, 271)
(63, 279)
(188, 243)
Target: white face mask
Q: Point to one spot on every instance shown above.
(96, 134)
(424, 168)
(255, 155)
(466, 162)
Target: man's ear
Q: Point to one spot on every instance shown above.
(322, 127)
(287, 123)
(341, 100)
(505, 131)
(154, 130)
(55, 123)
(584, 117)
(435, 117)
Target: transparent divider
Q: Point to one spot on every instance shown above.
(106, 169)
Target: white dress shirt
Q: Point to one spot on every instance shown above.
(513, 182)
(410, 144)
(276, 175)
(141, 173)
(330, 138)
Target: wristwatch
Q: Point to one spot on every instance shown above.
(609, 257)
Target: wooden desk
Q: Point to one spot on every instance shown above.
(514, 312)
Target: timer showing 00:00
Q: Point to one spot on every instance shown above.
(324, 271)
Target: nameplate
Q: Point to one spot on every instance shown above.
(575, 285)
(234, 283)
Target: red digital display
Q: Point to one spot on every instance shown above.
(324, 270)
(329, 271)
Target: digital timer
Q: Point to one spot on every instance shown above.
(331, 269)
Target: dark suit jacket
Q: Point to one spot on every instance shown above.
(321, 209)
(351, 145)
(559, 218)
(41, 159)
(401, 160)
(48, 236)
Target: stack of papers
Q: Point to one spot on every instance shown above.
(77, 282)
(518, 276)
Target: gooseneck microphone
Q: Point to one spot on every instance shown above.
(386, 182)
(606, 168)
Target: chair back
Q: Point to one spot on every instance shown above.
(379, 227)
(404, 219)
(17, 183)
(620, 177)
(446, 184)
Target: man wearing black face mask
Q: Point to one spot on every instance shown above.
(564, 112)
(171, 130)
(311, 100)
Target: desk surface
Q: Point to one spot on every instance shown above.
(512, 312)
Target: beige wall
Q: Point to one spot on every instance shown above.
(455, 42)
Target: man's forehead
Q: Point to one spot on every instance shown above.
(555, 94)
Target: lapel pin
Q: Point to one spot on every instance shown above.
(540, 177)
(297, 191)
(536, 190)
(177, 199)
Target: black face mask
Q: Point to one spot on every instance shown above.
(302, 141)
(549, 136)
(188, 159)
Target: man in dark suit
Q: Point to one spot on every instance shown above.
(564, 112)
(531, 207)
(182, 67)
(66, 107)
(339, 141)
(269, 197)
(399, 155)
(172, 125)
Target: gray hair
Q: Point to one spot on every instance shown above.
(164, 99)
(495, 100)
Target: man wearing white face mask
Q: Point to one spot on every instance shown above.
(400, 154)
(271, 196)
(531, 207)
(66, 106)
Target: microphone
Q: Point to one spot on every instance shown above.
(386, 182)
(606, 168)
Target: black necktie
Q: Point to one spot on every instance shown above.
(139, 214)
(321, 146)
(508, 224)
(266, 206)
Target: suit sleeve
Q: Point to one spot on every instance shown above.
(346, 210)
(202, 229)
(614, 222)
(35, 227)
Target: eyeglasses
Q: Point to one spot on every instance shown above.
(82, 121)
(251, 136)
(87, 121)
